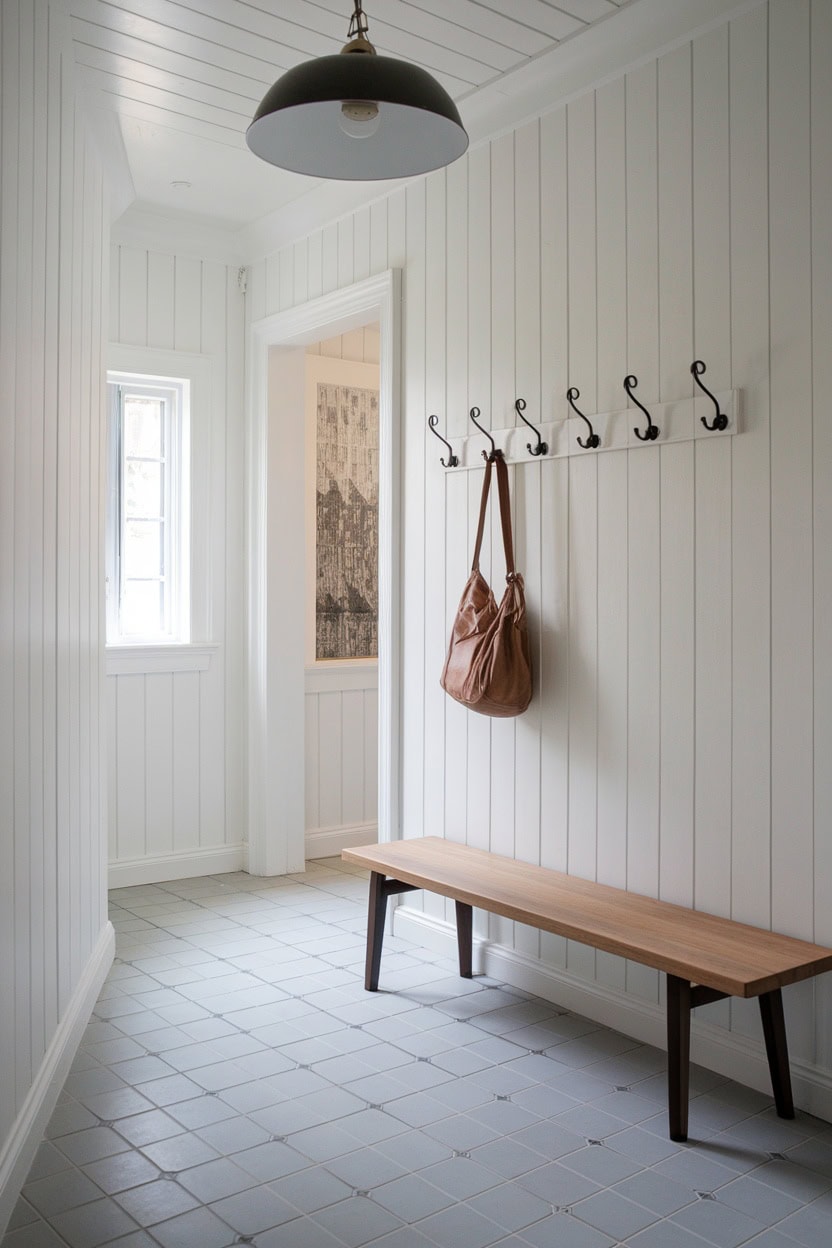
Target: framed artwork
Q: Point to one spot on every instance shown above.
(342, 510)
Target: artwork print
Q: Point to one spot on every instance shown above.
(346, 593)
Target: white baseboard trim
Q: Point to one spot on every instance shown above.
(18, 1150)
(181, 866)
(328, 842)
(728, 1053)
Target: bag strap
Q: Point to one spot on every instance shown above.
(486, 486)
(505, 514)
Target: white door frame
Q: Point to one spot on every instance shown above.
(275, 488)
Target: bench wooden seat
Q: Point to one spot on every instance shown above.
(705, 958)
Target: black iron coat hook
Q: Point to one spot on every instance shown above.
(590, 443)
(652, 431)
(453, 461)
(542, 447)
(720, 421)
(474, 414)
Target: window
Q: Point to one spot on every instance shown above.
(147, 510)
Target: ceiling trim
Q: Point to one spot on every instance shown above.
(182, 235)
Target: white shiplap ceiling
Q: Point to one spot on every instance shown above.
(184, 77)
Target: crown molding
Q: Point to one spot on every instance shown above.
(582, 62)
(182, 234)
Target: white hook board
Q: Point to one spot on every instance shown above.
(677, 421)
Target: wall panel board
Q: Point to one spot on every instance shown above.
(679, 592)
(54, 245)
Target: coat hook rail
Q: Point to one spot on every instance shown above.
(453, 460)
(474, 414)
(652, 431)
(593, 441)
(720, 420)
(541, 448)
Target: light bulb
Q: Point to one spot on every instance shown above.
(359, 118)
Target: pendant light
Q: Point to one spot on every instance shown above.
(357, 116)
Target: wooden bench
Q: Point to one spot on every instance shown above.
(705, 958)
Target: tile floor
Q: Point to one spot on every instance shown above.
(236, 1085)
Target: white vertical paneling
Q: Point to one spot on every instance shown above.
(478, 805)
(112, 769)
(554, 515)
(361, 245)
(678, 590)
(160, 300)
(187, 325)
(791, 466)
(300, 272)
(52, 243)
(435, 608)
(611, 308)
(196, 306)
(711, 212)
(272, 283)
(312, 761)
(25, 541)
(131, 785)
(453, 422)
(370, 814)
(378, 237)
(678, 585)
(315, 263)
(287, 277)
(500, 413)
(158, 756)
(821, 104)
(792, 621)
(186, 769)
(413, 478)
(330, 744)
(527, 484)
(750, 487)
(231, 453)
(346, 254)
(352, 756)
(644, 513)
(9, 93)
(583, 513)
(132, 301)
(211, 431)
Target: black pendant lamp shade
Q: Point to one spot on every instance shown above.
(357, 116)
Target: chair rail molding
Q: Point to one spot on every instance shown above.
(275, 659)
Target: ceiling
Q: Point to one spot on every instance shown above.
(184, 77)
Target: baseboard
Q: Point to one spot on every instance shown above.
(182, 866)
(728, 1053)
(18, 1151)
(328, 842)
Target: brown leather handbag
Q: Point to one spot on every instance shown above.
(488, 668)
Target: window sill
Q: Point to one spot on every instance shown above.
(150, 660)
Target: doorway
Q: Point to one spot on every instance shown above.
(277, 502)
(341, 600)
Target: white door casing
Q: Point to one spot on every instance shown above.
(275, 557)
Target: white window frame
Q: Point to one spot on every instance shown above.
(191, 649)
(175, 394)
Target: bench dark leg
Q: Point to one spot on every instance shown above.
(375, 929)
(464, 938)
(678, 1055)
(774, 1031)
